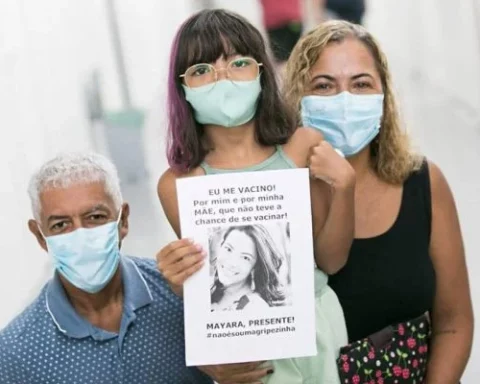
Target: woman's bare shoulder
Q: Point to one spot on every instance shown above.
(307, 135)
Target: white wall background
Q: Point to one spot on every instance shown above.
(49, 48)
(436, 41)
(44, 56)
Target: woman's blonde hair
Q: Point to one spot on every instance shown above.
(391, 155)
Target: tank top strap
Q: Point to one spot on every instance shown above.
(284, 157)
(417, 194)
(206, 168)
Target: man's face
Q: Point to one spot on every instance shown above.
(64, 210)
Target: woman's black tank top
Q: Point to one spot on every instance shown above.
(390, 278)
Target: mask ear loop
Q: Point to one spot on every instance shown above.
(120, 216)
(119, 219)
(43, 236)
(40, 230)
(119, 241)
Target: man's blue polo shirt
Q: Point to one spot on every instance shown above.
(49, 343)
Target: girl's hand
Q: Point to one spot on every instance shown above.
(178, 261)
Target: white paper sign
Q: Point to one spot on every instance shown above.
(254, 298)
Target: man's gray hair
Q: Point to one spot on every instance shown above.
(70, 169)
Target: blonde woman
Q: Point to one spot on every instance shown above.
(407, 263)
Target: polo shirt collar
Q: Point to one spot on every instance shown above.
(136, 295)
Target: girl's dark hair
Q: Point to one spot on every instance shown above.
(203, 38)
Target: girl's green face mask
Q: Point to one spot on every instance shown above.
(227, 104)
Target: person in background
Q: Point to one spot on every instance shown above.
(103, 317)
(284, 21)
(226, 115)
(348, 10)
(406, 269)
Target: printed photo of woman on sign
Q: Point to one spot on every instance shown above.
(250, 267)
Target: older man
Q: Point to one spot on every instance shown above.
(103, 318)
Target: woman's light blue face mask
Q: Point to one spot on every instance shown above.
(349, 122)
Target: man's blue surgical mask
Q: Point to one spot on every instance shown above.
(348, 122)
(87, 257)
(227, 103)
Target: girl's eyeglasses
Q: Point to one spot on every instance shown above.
(241, 69)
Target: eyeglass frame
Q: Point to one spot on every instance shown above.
(220, 69)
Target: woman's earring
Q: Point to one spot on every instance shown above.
(252, 280)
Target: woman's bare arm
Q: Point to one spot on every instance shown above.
(452, 317)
